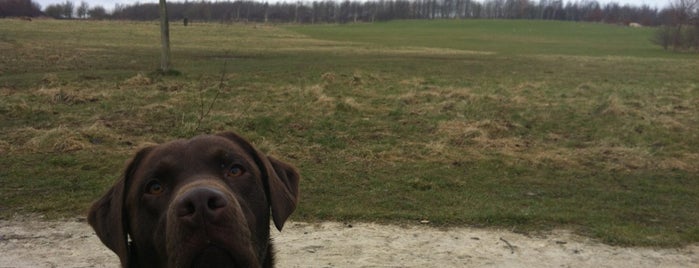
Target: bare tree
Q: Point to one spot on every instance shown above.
(680, 29)
(68, 9)
(662, 37)
(82, 10)
(54, 11)
(97, 13)
(683, 13)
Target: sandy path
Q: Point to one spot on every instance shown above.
(73, 244)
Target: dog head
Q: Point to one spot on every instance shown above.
(202, 202)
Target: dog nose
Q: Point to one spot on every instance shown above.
(201, 205)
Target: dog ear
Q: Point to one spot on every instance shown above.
(283, 190)
(280, 179)
(107, 216)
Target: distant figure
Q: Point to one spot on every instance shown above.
(186, 21)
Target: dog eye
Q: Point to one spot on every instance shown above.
(155, 188)
(235, 171)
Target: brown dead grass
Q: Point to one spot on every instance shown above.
(614, 106)
(138, 80)
(65, 95)
(5, 147)
(58, 140)
(320, 99)
(50, 79)
(99, 133)
(484, 135)
(431, 94)
(488, 137)
(686, 161)
(63, 139)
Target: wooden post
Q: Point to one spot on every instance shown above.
(164, 38)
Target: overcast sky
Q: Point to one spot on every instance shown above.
(109, 4)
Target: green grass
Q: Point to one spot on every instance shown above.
(521, 37)
(525, 125)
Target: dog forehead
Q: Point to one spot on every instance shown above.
(210, 144)
(198, 149)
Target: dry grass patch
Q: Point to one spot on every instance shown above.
(58, 140)
(616, 107)
(99, 133)
(138, 80)
(488, 137)
(685, 161)
(64, 95)
(63, 139)
(487, 129)
(50, 79)
(5, 147)
(320, 100)
(611, 159)
(434, 95)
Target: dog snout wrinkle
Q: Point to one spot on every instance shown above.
(201, 205)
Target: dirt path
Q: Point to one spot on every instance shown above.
(31, 243)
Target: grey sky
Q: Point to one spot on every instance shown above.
(109, 4)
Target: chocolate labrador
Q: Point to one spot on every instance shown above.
(202, 202)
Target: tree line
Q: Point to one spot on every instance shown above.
(679, 20)
(65, 10)
(19, 8)
(328, 11)
(345, 11)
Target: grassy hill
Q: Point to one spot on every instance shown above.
(525, 125)
(506, 37)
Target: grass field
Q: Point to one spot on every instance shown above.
(525, 125)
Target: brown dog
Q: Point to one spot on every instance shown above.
(202, 202)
